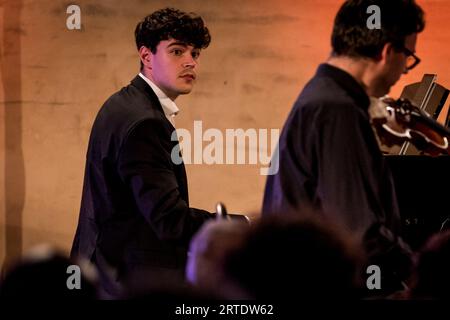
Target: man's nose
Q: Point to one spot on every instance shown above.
(190, 62)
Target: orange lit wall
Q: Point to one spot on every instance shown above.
(53, 81)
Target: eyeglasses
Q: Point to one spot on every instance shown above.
(411, 59)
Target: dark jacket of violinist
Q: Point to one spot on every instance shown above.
(329, 159)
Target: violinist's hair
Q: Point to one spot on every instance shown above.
(352, 37)
(170, 23)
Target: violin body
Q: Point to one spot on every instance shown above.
(399, 121)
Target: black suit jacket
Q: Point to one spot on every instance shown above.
(134, 209)
(329, 161)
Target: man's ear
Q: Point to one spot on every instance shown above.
(146, 56)
(387, 53)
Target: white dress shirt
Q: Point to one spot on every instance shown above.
(169, 107)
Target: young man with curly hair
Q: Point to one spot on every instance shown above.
(135, 210)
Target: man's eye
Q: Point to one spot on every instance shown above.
(195, 55)
(177, 52)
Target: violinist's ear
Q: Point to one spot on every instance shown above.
(381, 56)
(387, 53)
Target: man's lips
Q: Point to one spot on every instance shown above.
(189, 76)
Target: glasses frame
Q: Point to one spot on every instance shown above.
(409, 53)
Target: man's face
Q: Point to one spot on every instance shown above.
(395, 65)
(173, 67)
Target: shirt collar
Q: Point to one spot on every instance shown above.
(169, 106)
(347, 82)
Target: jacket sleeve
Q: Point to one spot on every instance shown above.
(145, 166)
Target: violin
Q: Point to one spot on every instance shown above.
(399, 121)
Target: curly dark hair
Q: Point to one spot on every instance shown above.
(351, 36)
(172, 23)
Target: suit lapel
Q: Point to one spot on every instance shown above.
(140, 83)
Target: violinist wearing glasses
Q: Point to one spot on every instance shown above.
(328, 154)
